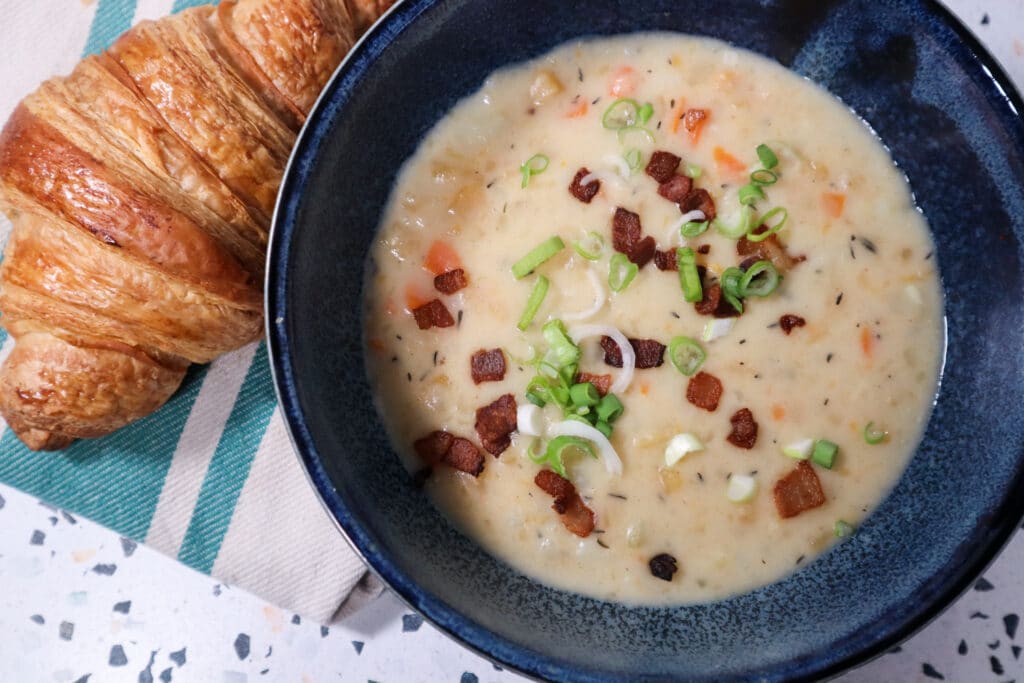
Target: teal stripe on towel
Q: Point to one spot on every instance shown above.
(116, 480)
(229, 467)
(185, 4)
(113, 17)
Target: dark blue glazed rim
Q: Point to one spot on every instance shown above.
(984, 505)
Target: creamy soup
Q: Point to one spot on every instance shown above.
(516, 239)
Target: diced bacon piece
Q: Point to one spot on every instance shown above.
(433, 447)
(798, 491)
(432, 314)
(451, 282)
(676, 189)
(704, 391)
(626, 230)
(582, 192)
(666, 260)
(576, 516)
(643, 251)
(487, 366)
(712, 302)
(704, 249)
(744, 429)
(662, 166)
(768, 249)
(789, 321)
(603, 383)
(495, 423)
(699, 200)
(465, 457)
(649, 353)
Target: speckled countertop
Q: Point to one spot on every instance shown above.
(79, 604)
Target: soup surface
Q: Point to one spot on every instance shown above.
(745, 449)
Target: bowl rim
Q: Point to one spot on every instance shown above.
(466, 632)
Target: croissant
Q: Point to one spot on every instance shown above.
(140, 189)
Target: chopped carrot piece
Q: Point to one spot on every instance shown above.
(441, 257)
(778, 412)
(867, 341)
(623, 82)
(834, 203)
(377, 345)
(578, 110)
(645, 388)
(694, 121)
(728, 163)
(415, 297)
(677, 115)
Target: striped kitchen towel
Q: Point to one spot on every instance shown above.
(210, 478)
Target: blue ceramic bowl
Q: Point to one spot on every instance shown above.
(947, 112)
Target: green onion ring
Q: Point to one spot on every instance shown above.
(622, 113)
(873, 435)
(540, 290)
(766, 221)
(621, 272)
(535, 165)
(686, 355)
(762, 288)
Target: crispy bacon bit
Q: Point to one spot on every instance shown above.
(699, 200)
(451, 282)
(769, 249)
(626, 230)
(649, 353)
(603, 383)
(584, 193)
(798, 491)
(704, 249)
(662, 166)
(744, 429)
(693, 118)
(487, 366)
(713, 303)
(433, 447)
(663, 566)
(676, 188)
(666, 260)
(432, 314)
(643, 251)
(577, 517)
(465, 457)
(704, 391)
(789, 321)
(495, 423)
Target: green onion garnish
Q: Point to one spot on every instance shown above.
(766, 220)
(689, 278)
(842, 529)
(693, 171)
(623, 132)
(761, 279)
(693, 228)
(590, 247)
(609, 409)
(824, 453)
(622, 113)
(873, 435)
(645, 113)
(686, 355)
(741, 228)
(633, 159)
(730, 282)
(540, 290)
(539, 255)
(535, 165)
(621, 272)
(767, 156)
(562, 351)
(558, 445)
(584, 395)
(764, 177)
(536, 398)
(750, 194)
(604, 428)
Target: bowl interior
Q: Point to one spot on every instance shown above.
(897, 64)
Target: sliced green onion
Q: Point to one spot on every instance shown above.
(534, 451)
(689, 278)
(767, 156)
(541, 253)
(561, 349)
(540, 290)
(604, 428)
(584, 395)
(622, 113)
(873, 435)
(535, 165)
(536, 399)
(621, 272)
(717, 328)
(694, 228)
(740, 228)
(686, 355)
(764, 177)
(693, 171)
(766, 220)
(645, 113)
(679, 446)
(761, 279)
(623, 132)
(799, 450)
(633, 159)
(590, 247)
(842, 529)
(824, 453)
(731, 289)
(609, 409)
(557, 447)
(750, 193)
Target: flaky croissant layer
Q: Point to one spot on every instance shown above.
(140, 188)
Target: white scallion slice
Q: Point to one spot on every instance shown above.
(674, 233)
(530, 420)
(741, 488)
(580, 332)
(619, 164)
(612, 461)
(717, 328)
(600, 296)
(800, 450)
(679, 446)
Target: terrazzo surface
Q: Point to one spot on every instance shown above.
(79, 604)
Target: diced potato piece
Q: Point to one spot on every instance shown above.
(544, 86)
